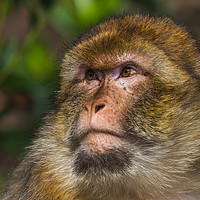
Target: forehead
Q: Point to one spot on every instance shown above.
(109, 49)
(117, 41)
(134, 35)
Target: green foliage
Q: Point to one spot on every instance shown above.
(15, 143)
(77, 15)
(37, 64)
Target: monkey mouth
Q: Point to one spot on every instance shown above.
(101, 141)
(100, 151)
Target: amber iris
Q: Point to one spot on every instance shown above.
(90, 75)
(128, 71)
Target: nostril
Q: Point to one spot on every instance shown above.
(99, 107)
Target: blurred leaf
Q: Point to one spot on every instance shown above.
(7, 55)
(90, 11)
(35, 64)
(14, 141)
(62, 17)
(77, 15)
(151, 5)
(38, 63)
(46, 4)
(7, 52)
(6, 7)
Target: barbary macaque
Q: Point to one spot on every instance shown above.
(126, 124)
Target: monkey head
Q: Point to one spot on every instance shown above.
(128, 107)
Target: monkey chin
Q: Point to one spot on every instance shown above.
(101, 152)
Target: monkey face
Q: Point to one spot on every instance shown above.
(100, 138)
(105, 134)
(124, 97)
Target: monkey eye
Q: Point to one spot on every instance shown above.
(90, 75)
(127, 71)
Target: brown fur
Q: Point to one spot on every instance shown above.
(167, 118)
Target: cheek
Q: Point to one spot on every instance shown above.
(89, 85)
(131, 89)
(131, 84)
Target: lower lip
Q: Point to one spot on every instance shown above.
(102, 142)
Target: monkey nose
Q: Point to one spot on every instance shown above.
(99, 107)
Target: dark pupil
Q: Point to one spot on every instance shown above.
(90, 75)
(126, 72)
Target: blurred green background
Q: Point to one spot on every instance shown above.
(33, 36)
